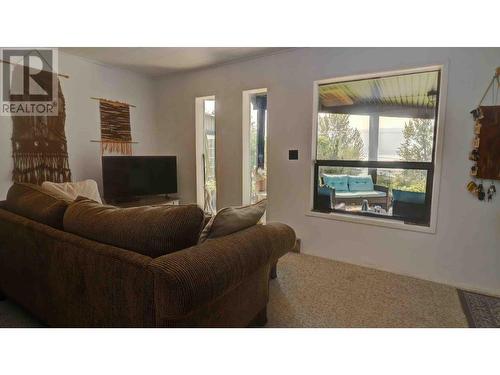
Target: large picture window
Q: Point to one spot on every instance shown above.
(376, 145)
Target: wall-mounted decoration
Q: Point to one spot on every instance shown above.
(486, 143)
(39, 146)
(116, 136)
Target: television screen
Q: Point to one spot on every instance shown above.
(132, 176)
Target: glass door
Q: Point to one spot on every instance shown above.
(254, 146)
(205, 154)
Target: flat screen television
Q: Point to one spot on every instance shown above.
(129, 177)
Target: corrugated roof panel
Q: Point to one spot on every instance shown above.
(412, 90)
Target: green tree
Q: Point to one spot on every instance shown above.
(417, 144)
(338, 140)
(417, 140)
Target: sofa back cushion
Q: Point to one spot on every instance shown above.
(35, 203)
(72, 190)
(338, 182)
(360, 183)
(150, 230)
(233, 219)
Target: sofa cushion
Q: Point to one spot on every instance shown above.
(361, 183)
(72, 190)
(408, 196)
(35, 203)
(148, 230)
(337, 182)
(233, 219)
(361, 194)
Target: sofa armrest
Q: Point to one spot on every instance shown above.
(330, 189)
(192, 278)
(381, 188)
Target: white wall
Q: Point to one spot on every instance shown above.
(88, 79)
(465, 251)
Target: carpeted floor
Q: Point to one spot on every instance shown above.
(316, 292)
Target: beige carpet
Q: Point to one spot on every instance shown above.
(316, 292)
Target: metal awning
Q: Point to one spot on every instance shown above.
(401, 94)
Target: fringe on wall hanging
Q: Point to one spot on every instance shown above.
(39, 148)
(124, 148)
(116, 136)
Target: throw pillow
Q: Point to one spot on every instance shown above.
(360, 183)
(71, 190)
(233, 219)
(337, 182)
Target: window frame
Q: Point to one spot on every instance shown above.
(433, 167)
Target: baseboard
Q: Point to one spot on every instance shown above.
(486, 291)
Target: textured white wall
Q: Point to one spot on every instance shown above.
(88, 79)
(465, 251)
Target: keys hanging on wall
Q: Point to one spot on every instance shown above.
(491, 191)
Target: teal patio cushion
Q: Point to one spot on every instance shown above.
(337, 181)
(360, 194)
(408, 196)
(360, 183)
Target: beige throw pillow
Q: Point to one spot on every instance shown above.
(72, 190)
(233, 219)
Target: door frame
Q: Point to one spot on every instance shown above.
(245, 139)
(199, 134)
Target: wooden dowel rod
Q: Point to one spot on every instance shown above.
(112, 101)
(58, 74)
(101, 141)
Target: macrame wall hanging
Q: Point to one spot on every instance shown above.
(116, 137)
(486, 144)
(39, 146)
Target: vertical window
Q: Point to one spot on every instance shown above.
(205, 154)
(375, 146)
(254, 148)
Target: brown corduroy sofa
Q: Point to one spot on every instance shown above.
(67, 280)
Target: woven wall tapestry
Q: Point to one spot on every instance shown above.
(115, 127)
(39, 146)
